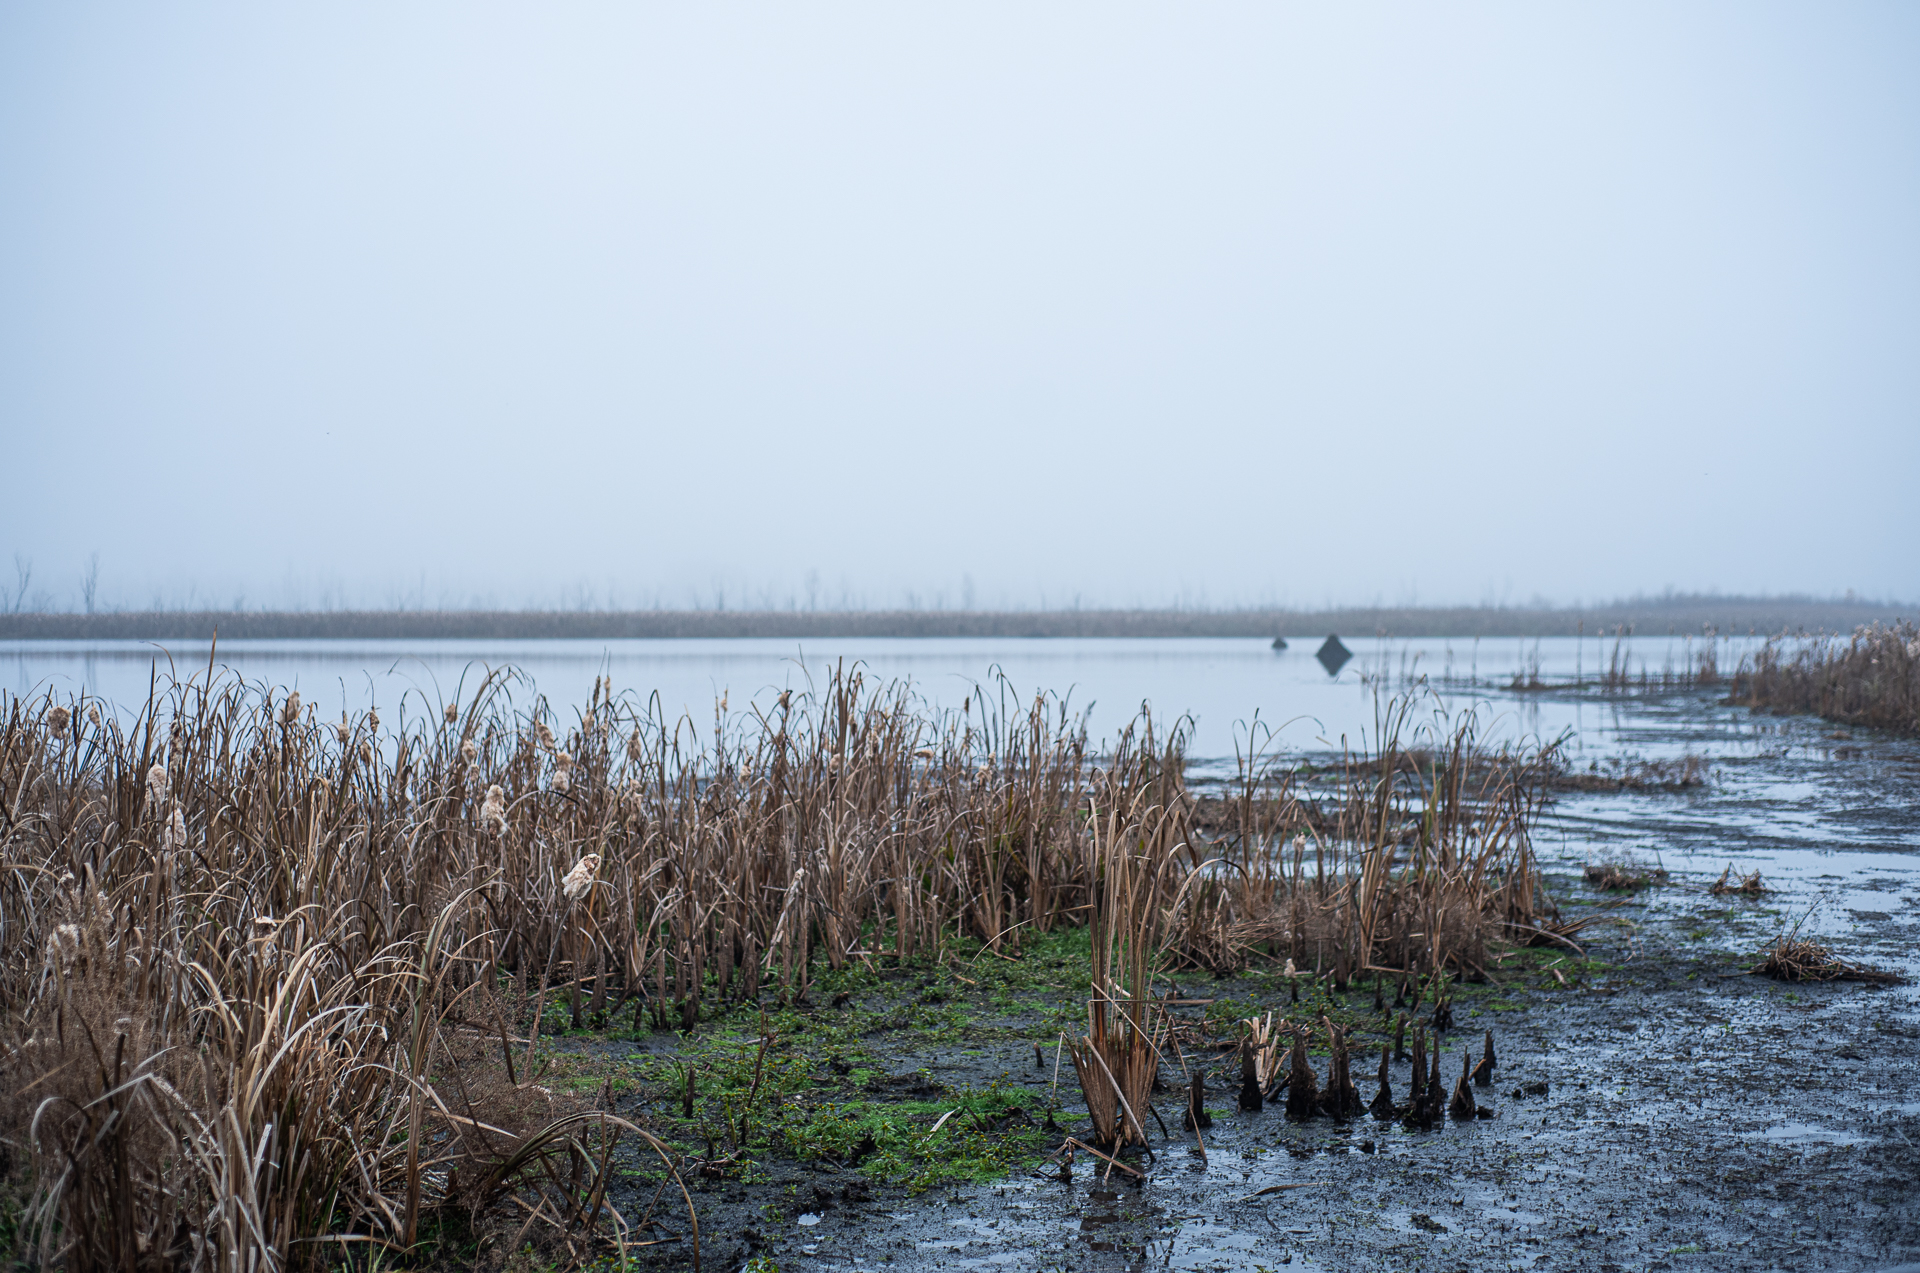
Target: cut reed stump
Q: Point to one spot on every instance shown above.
(1251, 1097)
(1461, 1107)
(1382, 1106)
(1197, 1118)
(1303, 1090)
(1483, 1072)
(1338, 1100)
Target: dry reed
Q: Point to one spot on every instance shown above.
(1873, 679)
(262, 974)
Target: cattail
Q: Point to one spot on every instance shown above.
(473, 773)
(543, 734)
(366, 753)
(468, 750)
(452, 713)
(493, 811)
(175, 836)
(93, 714)
(157, 784)
(580, 878)
(66, 945)
(57, 721)
(562, 772)
(343, 731)
(290, 714)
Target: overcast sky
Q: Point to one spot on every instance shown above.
(1229, 304)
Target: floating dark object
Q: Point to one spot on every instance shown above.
(1279, 643)
(1333, 656)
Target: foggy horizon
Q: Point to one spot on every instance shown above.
(996, 309)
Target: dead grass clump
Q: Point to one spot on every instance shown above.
(1623, 874)
(1747, 885)
(1873, 679)
(1795, 958)
(1682, 773)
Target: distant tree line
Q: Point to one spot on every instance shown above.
(1647, 617)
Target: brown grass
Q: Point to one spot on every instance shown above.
(1623, 873)
(1794, 958)
(1873, 678)
(265, 976)
(1747, 885)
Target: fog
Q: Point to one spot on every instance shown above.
(970, 305)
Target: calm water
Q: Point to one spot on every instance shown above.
(1829, 815)
(1223, 685)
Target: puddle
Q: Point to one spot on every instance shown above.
(1808, 1134)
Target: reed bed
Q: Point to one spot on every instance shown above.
(271, 982)
(1872, 678)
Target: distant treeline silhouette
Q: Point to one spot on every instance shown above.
(1648, 617)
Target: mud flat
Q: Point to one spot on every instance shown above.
(1657, 1105)
(1659, 1111)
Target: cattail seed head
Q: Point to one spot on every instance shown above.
(290, 714)
(157, 784)
(493, 811)
(469, 750)
(344, 731)
(452, 713)
(66, 945)
(562, 771)
(580, 878)
(93, 714)
(366, 753)
(57, 721)
(175, 836)
(543, 734)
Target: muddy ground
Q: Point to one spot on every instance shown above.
(1694, 1115)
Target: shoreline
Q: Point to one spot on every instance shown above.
(1691, 616)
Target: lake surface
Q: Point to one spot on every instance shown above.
(1223, 685)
